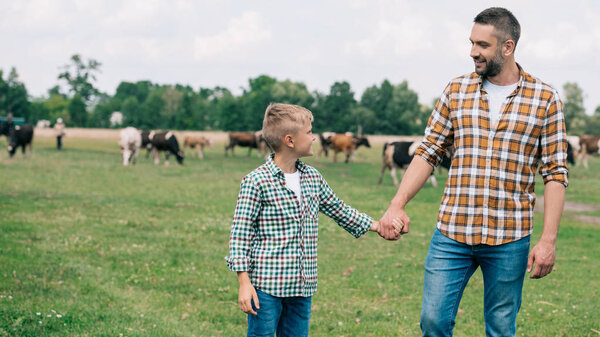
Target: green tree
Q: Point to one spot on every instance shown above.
(57, 106)
(132, 112)
(255, 100)
(336, 108)
(151, 110)
(575, 117)
(404, 111)
(592, 127)
(79, 76)
(13, 96)
(230, 114)
(172, 101)
(77, 111)
(100, 116)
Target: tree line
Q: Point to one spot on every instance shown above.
(386, 108)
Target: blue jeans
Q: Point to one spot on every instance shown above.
(448, 267)
(288, 316)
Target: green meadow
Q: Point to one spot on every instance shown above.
(91, 248)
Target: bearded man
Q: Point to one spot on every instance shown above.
(502, 123)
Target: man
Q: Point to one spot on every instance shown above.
(502, 123)
(59, 130)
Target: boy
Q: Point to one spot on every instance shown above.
(273, 243)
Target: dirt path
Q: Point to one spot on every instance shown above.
(572, 208)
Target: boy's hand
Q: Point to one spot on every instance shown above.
(247, 294)
(374, 226)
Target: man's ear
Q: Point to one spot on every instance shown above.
(508, 47)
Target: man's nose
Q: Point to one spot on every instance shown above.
(474, 51)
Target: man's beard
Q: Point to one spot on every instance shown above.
(493, 66)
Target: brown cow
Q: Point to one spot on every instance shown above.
(252, 140)
(589, 145)
(347, 144)
(196, 142)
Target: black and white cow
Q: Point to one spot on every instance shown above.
(165, 141)
(17, 135)
(146, 143)
(398, 155)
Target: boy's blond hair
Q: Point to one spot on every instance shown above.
(282, 119)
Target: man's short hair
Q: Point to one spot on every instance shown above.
(505, 23)
(282, 119)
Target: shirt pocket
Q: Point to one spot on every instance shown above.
(312, 206)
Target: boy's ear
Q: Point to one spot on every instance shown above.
(288, 140)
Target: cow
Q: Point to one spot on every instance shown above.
(17, 135)
(146, 141)
(165, 141)
(347, 144)
(570, 154)
(197, 142)
(324, 137)
(399, 155)
(130, 143)
(251, 140)
(589, 145)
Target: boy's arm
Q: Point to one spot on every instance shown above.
(353, 221)
(242, 233)
(242, 226)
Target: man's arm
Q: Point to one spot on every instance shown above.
(412, 181)
(543, 253)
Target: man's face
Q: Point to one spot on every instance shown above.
(485, 51)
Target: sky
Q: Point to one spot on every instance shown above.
(224, 42)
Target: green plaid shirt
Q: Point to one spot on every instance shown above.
(274, 236)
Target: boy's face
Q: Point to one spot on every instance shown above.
(303, 140)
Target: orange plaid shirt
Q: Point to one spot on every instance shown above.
(489, 195)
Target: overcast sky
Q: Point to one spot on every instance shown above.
(224, 43)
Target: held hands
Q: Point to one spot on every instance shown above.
(393, 224)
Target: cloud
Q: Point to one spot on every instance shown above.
(399, 38)
(563, 42)
(241, 33)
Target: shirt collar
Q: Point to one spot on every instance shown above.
(276, 171)
(522, 77)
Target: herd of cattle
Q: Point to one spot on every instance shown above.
(396, 155)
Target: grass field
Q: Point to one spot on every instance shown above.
(91, 248)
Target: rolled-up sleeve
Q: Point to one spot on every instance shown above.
(439, 133)
(553, 144)
(242, 227)
(350, 219)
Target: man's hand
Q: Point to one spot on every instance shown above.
(247, 294)
(542, 257)
(387, 229)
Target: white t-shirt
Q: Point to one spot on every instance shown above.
(496, 96)
(292, 181)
